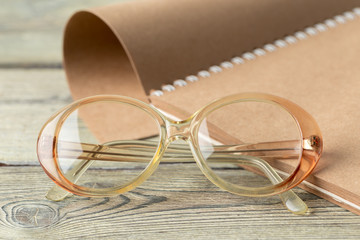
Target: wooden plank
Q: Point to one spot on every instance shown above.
(177, 202)
(31, 30)
(27, 99)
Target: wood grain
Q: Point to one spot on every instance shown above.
(27, 99)
(30, 28)
(176, 202)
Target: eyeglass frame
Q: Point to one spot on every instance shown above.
(170, 130)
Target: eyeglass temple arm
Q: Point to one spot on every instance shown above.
(141, 151)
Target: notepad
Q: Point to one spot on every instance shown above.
(180, 55)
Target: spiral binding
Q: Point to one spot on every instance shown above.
(258, 52)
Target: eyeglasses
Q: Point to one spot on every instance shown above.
(250, 144)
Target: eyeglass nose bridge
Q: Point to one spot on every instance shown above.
(178, 130)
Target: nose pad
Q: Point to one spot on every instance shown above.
(178, 130)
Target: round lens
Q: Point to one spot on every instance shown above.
(250, 144)
(102, 145)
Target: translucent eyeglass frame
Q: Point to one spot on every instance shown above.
(310, 135)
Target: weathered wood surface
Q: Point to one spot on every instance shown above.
(177, 202)
(31, 30)
(27, 100)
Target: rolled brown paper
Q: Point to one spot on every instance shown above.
(133, 47)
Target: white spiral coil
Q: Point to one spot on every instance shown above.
(258, 52)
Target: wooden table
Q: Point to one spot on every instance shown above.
(177, 202)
